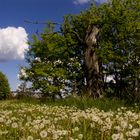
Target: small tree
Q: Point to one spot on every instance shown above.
(4, 87)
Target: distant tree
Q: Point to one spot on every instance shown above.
(4, 87)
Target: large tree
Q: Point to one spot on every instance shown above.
(120, 46)
(102, 41)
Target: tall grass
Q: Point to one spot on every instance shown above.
(105, 104)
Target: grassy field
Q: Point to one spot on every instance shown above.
(70, 119)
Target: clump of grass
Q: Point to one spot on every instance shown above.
(105, 104)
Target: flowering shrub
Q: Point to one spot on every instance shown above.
(23, 121)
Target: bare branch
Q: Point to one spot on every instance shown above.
(37, 22)
(54, 23)
(77, 35)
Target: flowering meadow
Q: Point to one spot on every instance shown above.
(24, 121)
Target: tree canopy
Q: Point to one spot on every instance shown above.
(89, 47)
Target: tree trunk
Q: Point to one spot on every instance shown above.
(92, 71)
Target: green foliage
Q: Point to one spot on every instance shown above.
(4, 87)
(50, 63)
(119, 45)
(57, 59)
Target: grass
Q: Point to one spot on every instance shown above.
(69, 119)
(105, 104)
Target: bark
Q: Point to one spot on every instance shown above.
(92, 71)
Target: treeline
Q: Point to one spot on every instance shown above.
(95, 53)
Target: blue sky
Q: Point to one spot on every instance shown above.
(14, 12)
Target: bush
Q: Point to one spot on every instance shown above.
(4, 87)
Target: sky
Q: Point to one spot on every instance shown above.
(15, 33)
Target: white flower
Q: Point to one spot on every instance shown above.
(22, 73)
(41, 126)
(8, 122)
(135, 132)
(80, 136)
(37, 59)
(36, 127)
(118, 128)
(30, 138)
(22, 138)
(128, 134)
(55, 136)
(3, 132)
(92, 125)
(14, 125)
(29, 118)
(43, 134)
(130, 126)
(75, 129)
(138, 122)
(115, 136)
(124, 124)
(70, 138)
(1, 120)
(130, 139)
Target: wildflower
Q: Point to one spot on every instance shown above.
(95, 118)
(14, 125)
(124, 124)
(55, 136)
(23, 138)
(43, 134)
(29, 118)
(30, 138)
(138, 122)
(75, 129)
(36, 127)
(115, 136)
(130, 139)
(1, 120)
(55, 119)
(70, 138)
(130, 126)
(3, 132)
(92, 125)
(118, 128)
(135, 132)
(8, 122)
(80, 136)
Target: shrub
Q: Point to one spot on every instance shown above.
(4, 87)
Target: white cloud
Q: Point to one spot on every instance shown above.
(78, 2)
(13, 43)
(81, 1)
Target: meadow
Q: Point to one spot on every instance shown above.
(62, 120)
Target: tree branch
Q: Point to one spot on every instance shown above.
(77, 35)
(54, 23)
(37, 22)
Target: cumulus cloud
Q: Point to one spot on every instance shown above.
(78, 2)
(13, 43)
